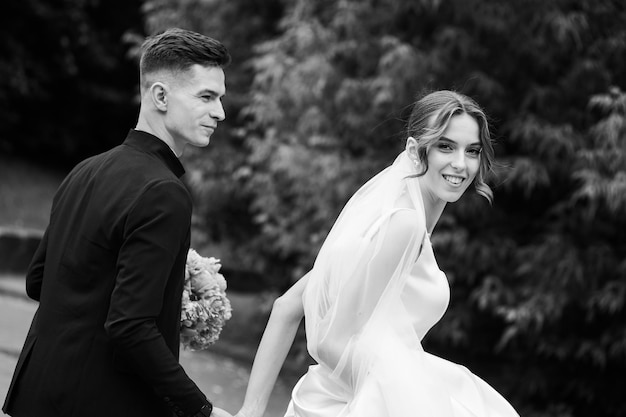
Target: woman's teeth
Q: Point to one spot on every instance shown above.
(453, 180)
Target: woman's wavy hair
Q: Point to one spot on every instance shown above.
(430, 118)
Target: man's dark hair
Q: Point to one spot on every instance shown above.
(178, 49)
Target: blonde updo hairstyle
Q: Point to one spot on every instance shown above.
(430, 118)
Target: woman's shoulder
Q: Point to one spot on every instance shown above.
(406, 220)
(400, 223)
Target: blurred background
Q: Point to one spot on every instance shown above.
(318, 96)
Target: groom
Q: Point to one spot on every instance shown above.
(109, 271)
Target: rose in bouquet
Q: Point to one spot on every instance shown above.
(205, 307)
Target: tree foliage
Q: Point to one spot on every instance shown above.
(66, 85)
(322, 94)
(317, 99)
(537, 280)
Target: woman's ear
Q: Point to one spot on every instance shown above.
(158, 94)
(411, 148)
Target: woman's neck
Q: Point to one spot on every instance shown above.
(433, 208)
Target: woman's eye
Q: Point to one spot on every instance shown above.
(444, 147)
(474, 151)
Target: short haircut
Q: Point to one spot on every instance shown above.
(176, 50)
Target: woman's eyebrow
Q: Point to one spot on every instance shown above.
(446, 139)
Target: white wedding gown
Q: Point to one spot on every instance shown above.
(367, 311)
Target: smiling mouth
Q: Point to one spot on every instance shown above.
(453, 179)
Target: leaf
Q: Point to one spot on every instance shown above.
(528, 174)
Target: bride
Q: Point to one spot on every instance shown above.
(375, 288)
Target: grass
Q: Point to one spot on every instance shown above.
(26, 192)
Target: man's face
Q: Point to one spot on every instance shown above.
(194, 106)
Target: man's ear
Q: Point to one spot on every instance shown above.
(158, 94)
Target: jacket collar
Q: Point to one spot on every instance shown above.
(152, 145)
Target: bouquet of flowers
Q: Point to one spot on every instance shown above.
(205, 307)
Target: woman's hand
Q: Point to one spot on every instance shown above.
(218, 412)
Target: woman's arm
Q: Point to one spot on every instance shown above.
(277, 339)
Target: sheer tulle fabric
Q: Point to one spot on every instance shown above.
(373, 293)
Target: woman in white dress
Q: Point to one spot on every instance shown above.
(375, 288)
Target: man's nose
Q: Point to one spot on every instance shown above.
(217, 111)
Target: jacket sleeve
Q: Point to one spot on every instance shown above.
(156, 227)
(35, 272)
(34, 275)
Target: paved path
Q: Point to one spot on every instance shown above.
(221, 378)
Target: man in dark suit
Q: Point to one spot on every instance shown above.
(109, 272)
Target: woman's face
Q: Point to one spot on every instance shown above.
(453, 160)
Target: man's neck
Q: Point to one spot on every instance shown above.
(144, 126)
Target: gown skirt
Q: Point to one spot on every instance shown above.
(419, 385)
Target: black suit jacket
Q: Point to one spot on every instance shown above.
(109, 277)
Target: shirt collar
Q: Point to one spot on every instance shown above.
(152, 145)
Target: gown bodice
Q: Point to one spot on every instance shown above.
(426, 293)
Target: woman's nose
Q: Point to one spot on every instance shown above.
(458, 162)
